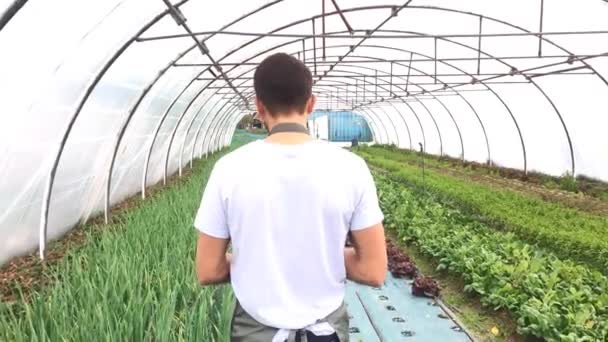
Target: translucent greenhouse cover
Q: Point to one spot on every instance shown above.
(100, 99)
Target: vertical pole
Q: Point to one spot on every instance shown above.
(435, 60)
(323, 20)
(357, 91)
(391, 82)
(376, 85)
(304, 50)
(479, 45)
(364, 88)
(409, 70)
(314, 44)
(540, 30)
(422, 155)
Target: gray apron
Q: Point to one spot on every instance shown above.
(246, 329)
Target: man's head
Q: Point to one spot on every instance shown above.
(283, 87)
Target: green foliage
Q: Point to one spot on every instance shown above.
(568, 232)
(568, 183)
(132, 281)
(245, 122)
(550, 298)
(582, 183)
(260, 131)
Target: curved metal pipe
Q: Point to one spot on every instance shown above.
(375, 114)
(181, 150)
(10, 12)
(83, 99)
(407, 128)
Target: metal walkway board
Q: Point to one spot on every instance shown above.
(391, 314)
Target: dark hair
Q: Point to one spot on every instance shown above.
(283, 83)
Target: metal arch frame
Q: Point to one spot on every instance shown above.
(302, 21)
(434, 98)
(376, 115)
(87, 93)
(81, 102)
(220, 102)
(220, 126)
(238, 49)
(382, 87)
(214, 121)
(373, 118)
(381, 108)
(459, 94)
(541, 38)
(536, 85)
(250, 42)
(170, 107)
(198, 131)
(419, 101)
(468, 103)
(544, 94)
(424, 107)
(209, 143)
(190, 125)
(10, 12)
(407, 127)
(480, 81)
(245, 72)
(122, 131)
(276, 30)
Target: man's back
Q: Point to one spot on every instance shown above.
(287, 204)
(288, 209)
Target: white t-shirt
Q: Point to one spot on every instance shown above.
(287, 210)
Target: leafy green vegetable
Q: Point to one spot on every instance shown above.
(551, 298)
(568, 232)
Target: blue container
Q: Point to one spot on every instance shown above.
(346, 126)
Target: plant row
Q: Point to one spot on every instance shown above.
(568, 232)
(589, 186)
(132, 280)
(550, 298)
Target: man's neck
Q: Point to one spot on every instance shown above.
(288, 138)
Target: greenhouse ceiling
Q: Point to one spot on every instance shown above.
(101, 99)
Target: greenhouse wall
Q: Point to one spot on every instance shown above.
(125, 94)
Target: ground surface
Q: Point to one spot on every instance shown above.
(511, 261)
(392, 313)
(111, 281)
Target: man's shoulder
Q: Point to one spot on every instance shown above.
(343, 155)
(237, 156)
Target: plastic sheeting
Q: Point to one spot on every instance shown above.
(85, 83)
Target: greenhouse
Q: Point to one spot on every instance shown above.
(483, 123)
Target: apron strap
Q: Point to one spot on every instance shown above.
(289, 127)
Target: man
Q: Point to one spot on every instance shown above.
(286, 204)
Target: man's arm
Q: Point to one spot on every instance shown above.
(366, 261)
(212, 261)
